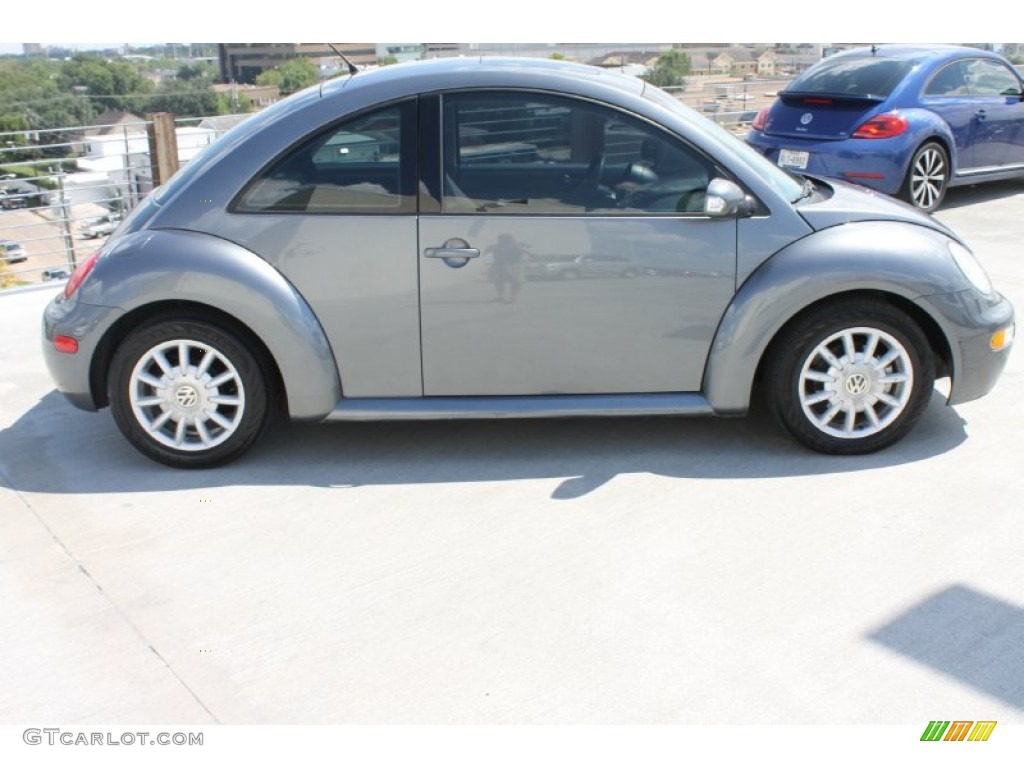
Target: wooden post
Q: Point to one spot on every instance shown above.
(163, 146)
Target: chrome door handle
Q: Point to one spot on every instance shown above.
(451, 253)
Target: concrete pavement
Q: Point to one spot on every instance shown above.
(583, 571)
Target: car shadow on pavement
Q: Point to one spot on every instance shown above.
(55, 448)
(960, 197)
(967, 635)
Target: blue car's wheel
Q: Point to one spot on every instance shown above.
(927, 177)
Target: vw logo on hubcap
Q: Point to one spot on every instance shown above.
(186, 396)
(857, 384)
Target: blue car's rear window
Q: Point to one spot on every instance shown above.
(864, 76)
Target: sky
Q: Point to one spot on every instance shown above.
(524, 20)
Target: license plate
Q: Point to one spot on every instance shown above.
(790, 158)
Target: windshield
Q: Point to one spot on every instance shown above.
(857, 76)
(786, 184)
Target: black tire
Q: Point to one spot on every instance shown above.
(927, 177)
(210, 411)
(866, 404)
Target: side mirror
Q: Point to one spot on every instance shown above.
(724, 198)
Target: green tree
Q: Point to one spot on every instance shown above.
(107, 84)
(185, 98)
(241, 104)
(292, 76)
(385, 61)
(31, 100)
(670, 68)
(196, 71)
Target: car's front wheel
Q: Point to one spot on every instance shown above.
(927, 178)
(187, 393)
(850, 378)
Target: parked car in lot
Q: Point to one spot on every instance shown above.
(591, 265)
(13, 198)
(55, 273)
(340, 286)
(905, 120)
(11, 252)
(99, 226)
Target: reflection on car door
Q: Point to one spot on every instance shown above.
(948, 96)
(545, 179)
(999, 113)
(337, 216)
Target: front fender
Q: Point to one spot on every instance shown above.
(886, 257)
(151, 266)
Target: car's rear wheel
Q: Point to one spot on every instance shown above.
(928, 177)
(188, 393)
(850, 378)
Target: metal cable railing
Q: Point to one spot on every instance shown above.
(64, 190)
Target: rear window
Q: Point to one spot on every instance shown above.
(870, 76)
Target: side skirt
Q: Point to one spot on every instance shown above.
(519, 407)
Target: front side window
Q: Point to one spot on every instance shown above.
(365, 165)
(990, 78)
(511, 153)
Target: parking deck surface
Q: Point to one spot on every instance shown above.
(579, 571)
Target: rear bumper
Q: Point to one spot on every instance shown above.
(87, 324)
(880, 164)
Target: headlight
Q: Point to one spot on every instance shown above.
(971, 268)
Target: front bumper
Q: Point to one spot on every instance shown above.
(969, 321)
(72, 373)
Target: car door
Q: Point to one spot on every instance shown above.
(999, 113)
(947, 95)
(534, 178)
(336, 214)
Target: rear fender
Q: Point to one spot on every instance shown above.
(151, 266)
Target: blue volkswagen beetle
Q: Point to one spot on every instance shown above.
(907, 121)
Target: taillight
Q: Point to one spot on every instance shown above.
(882, 127)
(66, 344)
(760, 120)
(78, 276)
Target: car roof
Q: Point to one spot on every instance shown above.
(919, 53)
(482, 71)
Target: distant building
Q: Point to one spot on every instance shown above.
(259, 95)
(242, 62)
(620, 59)
(766, 64)
(32, 49)
(402, 51)
(442, 50)
(114, 122)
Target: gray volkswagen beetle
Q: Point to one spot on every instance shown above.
(359, 251)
